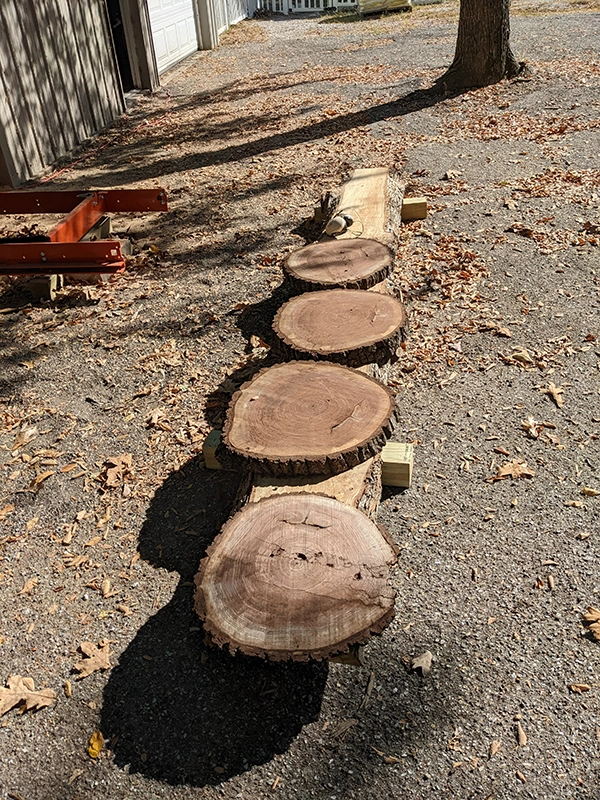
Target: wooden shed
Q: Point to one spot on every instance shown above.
(65, 66)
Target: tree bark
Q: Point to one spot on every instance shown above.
(483, 55)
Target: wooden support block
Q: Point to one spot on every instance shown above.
(397, 463)
(212, 441)
(44, 287)
(414, 208)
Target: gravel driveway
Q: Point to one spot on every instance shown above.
(501, 368)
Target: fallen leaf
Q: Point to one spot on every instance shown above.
(31, 524)
(24, 436)
(513, 469)
(115, 469)
(494, 747)
(532, 427)
(21, 692)
(589, 492)
(106, 587)
(39, 479)
(574, 503)
(5, 511)
(521, 735)
(555, 392)
(591, 619)
(422, 663)
(68, 689)
(93, 541)
(96, 744)
(521, 777)
(342, 728)
(125, 610)
(97, 657)
(29, 586)
(579, 688)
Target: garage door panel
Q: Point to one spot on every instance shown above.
(173, 30)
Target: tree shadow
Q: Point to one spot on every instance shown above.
(175, 708)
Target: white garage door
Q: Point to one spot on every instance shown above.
(173, 30)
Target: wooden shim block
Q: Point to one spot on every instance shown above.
(414, 208)
(209, 448)
(365, 198)
(397, 464)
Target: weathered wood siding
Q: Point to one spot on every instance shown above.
(59, 82)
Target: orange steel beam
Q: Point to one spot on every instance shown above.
(65, 252)
(78, 221)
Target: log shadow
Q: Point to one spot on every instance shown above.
(177, 709)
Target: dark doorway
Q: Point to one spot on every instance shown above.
(120, 43)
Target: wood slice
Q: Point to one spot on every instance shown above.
(343, 264)
(308, 418)
(298, 576)
(348, 326)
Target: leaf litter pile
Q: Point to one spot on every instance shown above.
(489, 674)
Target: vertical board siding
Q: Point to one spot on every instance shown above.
(59, 82)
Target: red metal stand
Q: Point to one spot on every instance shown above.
(63, 252)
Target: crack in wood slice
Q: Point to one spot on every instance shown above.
(295, 577)
(343, 264)
(308, 418)
(348, 326)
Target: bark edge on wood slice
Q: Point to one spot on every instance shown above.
(347, 326)
(296, 577)
(359, 487)
(308, 418)
(339, 264)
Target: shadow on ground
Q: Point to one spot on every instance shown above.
(176, 709)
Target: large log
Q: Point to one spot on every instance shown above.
(295, 577)
(344, 264)
(348, 326)
(308, 418)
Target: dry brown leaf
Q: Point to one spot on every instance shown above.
(29, 586)
(579, 688)
(422, 663)
(521, 777)
(494, 748)
(5, 511)
(532, 427)
(24, 436)
(68, 689)
(513, 469)
(97, 657)
(592, 615)
(31, 524)
(106, 587)
(96, 744)
(93, 541)
(521, 735)
(21, 692)
(555, 392)
(589, 492)
(39, 479)
(115, 469)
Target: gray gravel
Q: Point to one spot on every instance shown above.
(244, 145)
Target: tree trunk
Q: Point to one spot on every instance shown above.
(483, 55)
